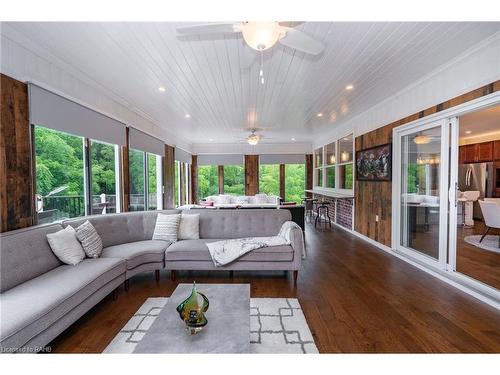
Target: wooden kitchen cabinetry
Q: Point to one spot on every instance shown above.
(479, 152)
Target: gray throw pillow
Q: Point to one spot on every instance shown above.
(90, 239)
(166, 227)
(189, 227)
(66, 246)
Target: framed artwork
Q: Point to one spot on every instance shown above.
(375, 163)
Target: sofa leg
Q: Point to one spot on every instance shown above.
(295, 275)
(172, 275)
(127, 285)
(157, 275)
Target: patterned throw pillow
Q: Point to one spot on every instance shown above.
(166, 227)
(90, 239)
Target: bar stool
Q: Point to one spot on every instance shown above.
(309, 207)
(322, 208)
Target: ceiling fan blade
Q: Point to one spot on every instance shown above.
(300, 41)
(209, 28)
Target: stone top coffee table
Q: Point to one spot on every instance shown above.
(227, 331)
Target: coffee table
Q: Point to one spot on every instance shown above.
(227, 331)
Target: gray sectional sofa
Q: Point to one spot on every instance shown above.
(41, 297)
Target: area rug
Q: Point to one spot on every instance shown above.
(489, 243)
(277, 325)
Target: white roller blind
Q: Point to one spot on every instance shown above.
(183, 156)
(223, 159)
(56, 112)
(282, 159)
(145, 142)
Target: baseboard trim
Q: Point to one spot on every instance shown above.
(441, 275)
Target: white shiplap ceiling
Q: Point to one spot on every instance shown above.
(215, 79)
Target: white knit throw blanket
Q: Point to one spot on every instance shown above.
(224, 252)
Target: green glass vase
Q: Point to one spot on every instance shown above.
(192, 311)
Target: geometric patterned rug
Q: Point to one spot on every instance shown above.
(277, 325)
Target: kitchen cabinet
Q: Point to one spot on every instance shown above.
(478, 152)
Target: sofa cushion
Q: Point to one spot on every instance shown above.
(197, 250)
(90, 239)
(137, 253)
(241, 223)
(116, 229)
(167, 227)
(25, 254)
(35, 305)
(189, 227)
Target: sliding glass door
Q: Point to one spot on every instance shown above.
(421, 172)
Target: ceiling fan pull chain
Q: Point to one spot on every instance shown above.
(261, 73)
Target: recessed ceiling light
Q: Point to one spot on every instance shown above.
(293, 139)
(187, 115)
(320, 114)
(468, 132)
(162, 89)
(346, 139)
(349, 87)
(211, 140)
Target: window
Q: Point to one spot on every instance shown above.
(103, 166)
(269, 179)
(208, 181)
(59, 175)
(137, 183)
(234, 180)
(336, 166)
(294, 182)
(154, 182)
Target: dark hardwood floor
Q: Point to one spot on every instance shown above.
(356, 298)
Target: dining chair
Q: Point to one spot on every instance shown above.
(491, 215)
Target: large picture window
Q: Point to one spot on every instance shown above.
(137, 180)
(269, 179)
(208, 181)
(234, 180)
(60, 187)
(103, 167)
(295, 175)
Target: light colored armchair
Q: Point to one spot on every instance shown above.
(491, 214)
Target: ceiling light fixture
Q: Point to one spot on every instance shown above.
(293, 139)
(162, 89)
(320, 114)
(349, 87)
(468, 132)
(211, 140)
(253, 139)
(261, 35)
(421, 139)
(187, 115)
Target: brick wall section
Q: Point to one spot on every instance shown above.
(344, 212)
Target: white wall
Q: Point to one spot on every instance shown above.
(476, 67)
(23, 60)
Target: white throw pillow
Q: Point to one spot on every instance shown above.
(242, 199)
(224, 199)
(189, 227)
(167, 226)
(90, 239)
(66, 246)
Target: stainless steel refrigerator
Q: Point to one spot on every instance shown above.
(477, 177)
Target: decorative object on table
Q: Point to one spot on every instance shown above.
(277, 325)
(374, 164)
(192, 310)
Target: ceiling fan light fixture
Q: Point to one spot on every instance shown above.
(261, 35)
(253, 139)
(421, 139)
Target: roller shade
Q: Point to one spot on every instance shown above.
(56, 112)
(282, 159)
(228, 159)
(183, 156)
(145, 142)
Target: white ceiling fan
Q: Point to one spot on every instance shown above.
(260, 35)
(253, 138)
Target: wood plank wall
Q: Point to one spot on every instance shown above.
(168, 177)
(309, 173)
(375, 198)
(16, 177)
(194, 180)
(220, 179)
(125, 173)
(251, 174)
